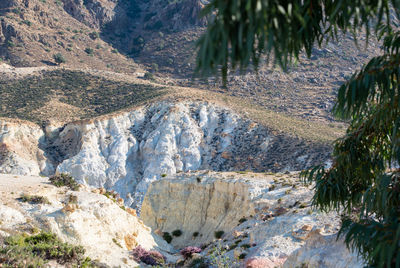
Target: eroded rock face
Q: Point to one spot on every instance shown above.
(127, 152)
(94, 13)
(19, 149)
(268, 219)
(200, 205)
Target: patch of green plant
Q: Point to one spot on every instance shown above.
(116, 242)
(242, 220)
(89, 51)
(34, 199)
(64, 179)
(27, 22)
(94, 35)
(242, 256)
(195, 234)
(59, 58)
(167, 237)
(164, 175)
(37, 250)
(219, 234)
(177, 233)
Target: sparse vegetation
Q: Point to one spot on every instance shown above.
(34, 199)
(37, 250)
(64, 179)
(195, 234)
(94, 95)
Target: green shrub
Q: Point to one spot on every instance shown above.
(195, 234)
(154, 67)
(64, 179)
(59, 58)
(148, 76)
(34, 199)
(167, 237)
(163, 175)
(242, 220)
(94, 35)
(219, 234)
(242, 256)
(10, 43)
(27, 22)
(89, 51)
(177, 233)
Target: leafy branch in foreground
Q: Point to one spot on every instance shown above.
(363, 183)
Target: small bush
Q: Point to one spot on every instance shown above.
(187, 252)
(167, 237)
(34, 199)
(59, 58)
(242, 256)
(94, 35)
(219, 234)
(177, 233)
(10, 43)
(27, 22)
(148, 76)
(195, 234)
(163, 175)
(242, 220)
(149, 257)
(64, 179)
(154, 67)
(89, 51)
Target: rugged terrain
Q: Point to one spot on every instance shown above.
(120, 112)
(236, 218)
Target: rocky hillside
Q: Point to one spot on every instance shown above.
(85, 218)
(160, 36)
(236, 219)
(126, 152)
(33, 31)
(265, 220)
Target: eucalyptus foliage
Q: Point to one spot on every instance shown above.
(363, 183)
